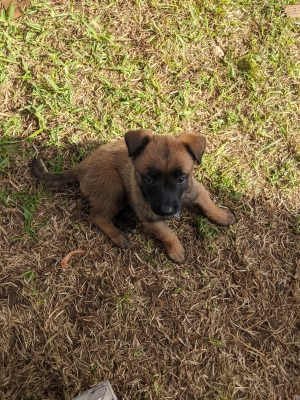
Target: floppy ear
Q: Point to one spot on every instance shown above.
(136, 141)
(195, 145)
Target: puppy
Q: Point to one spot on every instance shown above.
(153, 174)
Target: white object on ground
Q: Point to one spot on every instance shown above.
(101, 391)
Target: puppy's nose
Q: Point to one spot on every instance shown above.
(167, 210)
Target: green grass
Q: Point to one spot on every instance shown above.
(77, 74)
(207, 231)
(26, 203)
(70, 75)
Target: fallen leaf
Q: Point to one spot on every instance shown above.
(292, 11)
(64, 261)
(19, 6)
(220, 43)
(217, 51)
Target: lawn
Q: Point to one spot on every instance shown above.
(226, 323)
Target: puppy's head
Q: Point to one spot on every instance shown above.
(163, 165)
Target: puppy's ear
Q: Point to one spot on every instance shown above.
(136, 141)
(195, 145)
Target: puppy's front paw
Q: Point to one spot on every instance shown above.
(122, 241)
(176, 252)
(225, 217)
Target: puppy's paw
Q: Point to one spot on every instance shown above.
(176, 252)
(122, 241)
(225, 217)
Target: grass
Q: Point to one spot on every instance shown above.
(76, 75)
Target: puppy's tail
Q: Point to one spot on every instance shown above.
(53, 179)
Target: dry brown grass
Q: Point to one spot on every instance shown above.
(225, 324)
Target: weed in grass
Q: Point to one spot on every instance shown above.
(76, 226)
(56, 166)
(177, 290)
(147, 242)
(210, 284)
(28, 207)
(27, 203)
(29, 275)
(123, 302)
(285, 175)
(215, 341)
(247, 65)
(166, 263)
(227, 174)
(138, 352)
(94, 369)
(156, 388)
(297, 225)
(157, 384)
(207, 230)
(150, 260)
(6, 16)
(214, 306)
(4, 163)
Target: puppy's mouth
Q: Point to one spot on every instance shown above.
(177, 215)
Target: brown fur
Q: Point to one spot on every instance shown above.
(112, 177)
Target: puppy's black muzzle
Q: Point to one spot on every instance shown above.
(165, 208)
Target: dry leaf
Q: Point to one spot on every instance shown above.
(19, 6)
(292, 11)
(64, 261)
(217, 51)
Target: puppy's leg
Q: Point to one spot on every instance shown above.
(126, 220)
(173, 247)
(221, 216)
(106, 226)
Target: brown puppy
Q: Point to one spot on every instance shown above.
(151, 173)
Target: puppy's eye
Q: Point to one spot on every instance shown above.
(181, 179)
(149, 180)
